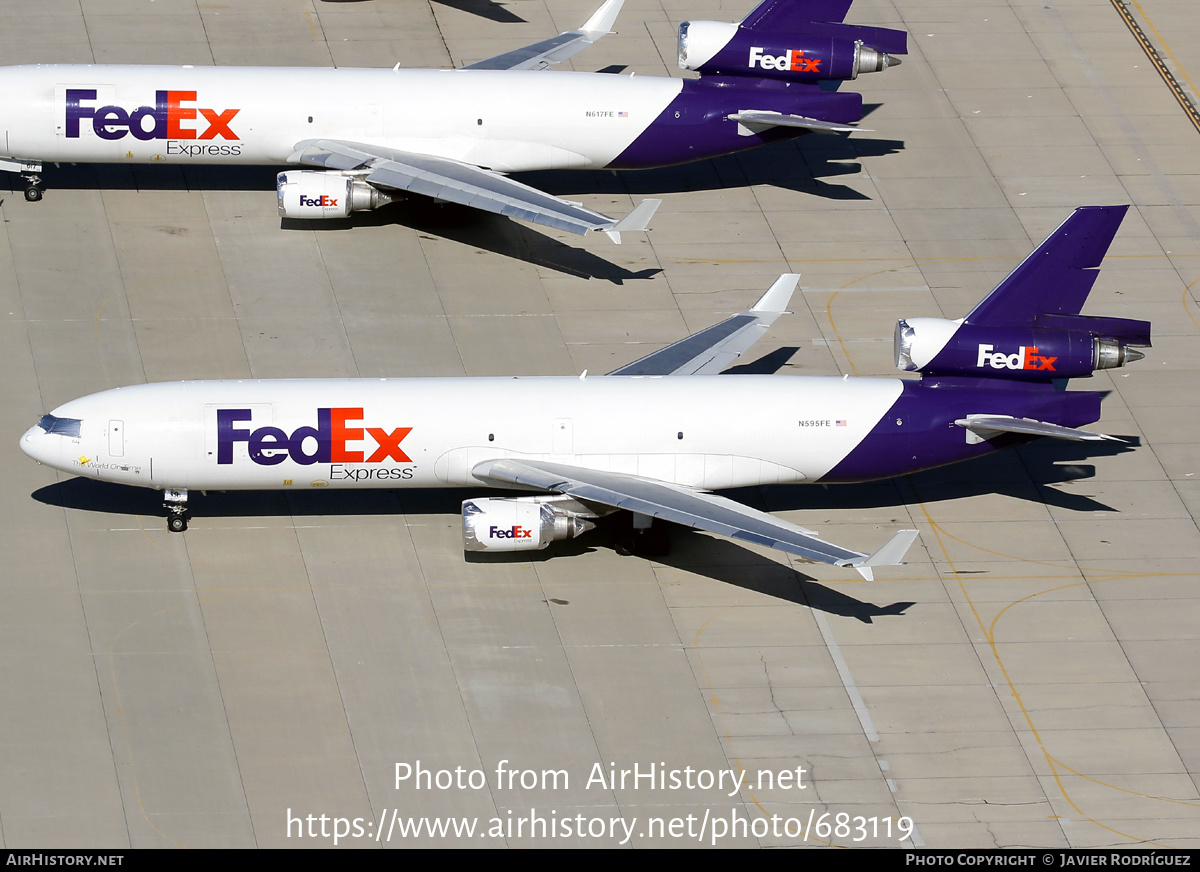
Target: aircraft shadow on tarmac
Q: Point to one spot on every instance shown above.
(1028, 473)
(798, 165)
(696, 553)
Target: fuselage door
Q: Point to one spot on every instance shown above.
(564, 436)
(116, 438)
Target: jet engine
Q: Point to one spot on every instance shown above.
(521, 523)
(719, 48)
(324, 194)
(1059, 346)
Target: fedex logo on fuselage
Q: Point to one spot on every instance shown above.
(1027, 357)
(168, 118)
(330, 441)
(792, 59)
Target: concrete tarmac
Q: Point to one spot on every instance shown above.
(1030, 678)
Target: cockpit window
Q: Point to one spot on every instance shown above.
(60, 426)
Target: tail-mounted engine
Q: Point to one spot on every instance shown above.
(521, 523)
(716, 47)
(325, 194)
(1058, 346)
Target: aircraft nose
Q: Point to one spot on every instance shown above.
(47, 440)
(33, 443)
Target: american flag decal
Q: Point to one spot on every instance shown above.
(622, 114)
(840, 422)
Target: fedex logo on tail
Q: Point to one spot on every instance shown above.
(169, 118)
(1027, 357)
(792, 59)
(333, 440)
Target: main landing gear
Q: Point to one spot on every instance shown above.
(175, 502)
(644, 538)
(33, 187)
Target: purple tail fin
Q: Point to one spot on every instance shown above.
(1057, 277)
(821, 17)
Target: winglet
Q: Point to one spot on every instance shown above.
(777, 297)
(638, 219)
(602, 20)
(556, 49)
(714, 348)
(891, 554)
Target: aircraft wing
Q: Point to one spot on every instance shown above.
(697, 509)
(558, 48)
(465, 184)
(713, 349)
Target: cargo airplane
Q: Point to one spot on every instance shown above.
(359, 138)
(655, 438)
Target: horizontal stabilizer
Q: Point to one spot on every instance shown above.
(755, 121)
(713, 349)
(982, 427)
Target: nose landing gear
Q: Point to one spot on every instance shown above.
(175, 502)
(30, 171)
(33, 188)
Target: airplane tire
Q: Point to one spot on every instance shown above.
(656, 542)
(650, 543)
(33, 194)
(177, 523)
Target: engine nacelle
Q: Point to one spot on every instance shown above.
(325, 194)
(935, 346)
(519, 523)
(716, 47)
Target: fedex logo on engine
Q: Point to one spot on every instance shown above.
(333, 440)
(169, 118)
(323, 200)
(791, 59)
(510, 533)
(1027, 357)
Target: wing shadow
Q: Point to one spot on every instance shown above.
(730, 563)
(484, 9)
(484, 230)
(1024, 473)
(768, 364)
(800, 165)
(460, 224)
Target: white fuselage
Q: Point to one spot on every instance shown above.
(706, 432)
(509, 121)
